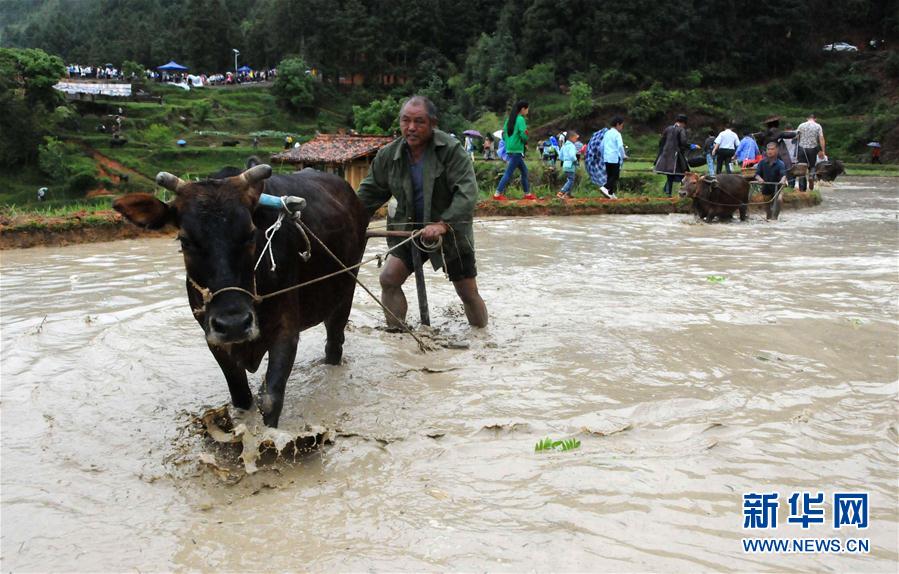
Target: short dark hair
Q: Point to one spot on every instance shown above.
(616, 120)
(681, 118)
(422, 101)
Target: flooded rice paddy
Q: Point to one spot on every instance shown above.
(686, 391)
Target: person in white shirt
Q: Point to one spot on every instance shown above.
(811, 148)
(613, 154)
(725, 147)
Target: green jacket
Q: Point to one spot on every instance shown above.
(515, 142)
(450, 191)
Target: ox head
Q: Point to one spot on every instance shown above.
(218, 239)
(691, 186)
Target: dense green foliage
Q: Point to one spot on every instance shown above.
(294, 85)
(381, 117)
(485, 41)
(27, 102)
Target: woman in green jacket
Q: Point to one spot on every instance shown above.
(515, 135)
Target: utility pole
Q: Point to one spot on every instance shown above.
(236, 53)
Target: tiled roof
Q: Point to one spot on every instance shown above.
(333, 148)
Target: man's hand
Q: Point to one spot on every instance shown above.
(821, 154)
(431, 232)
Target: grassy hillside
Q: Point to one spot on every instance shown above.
(204, 118)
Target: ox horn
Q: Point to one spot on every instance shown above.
(257, 173)
(169, 181)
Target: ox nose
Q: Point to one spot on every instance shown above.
(234, 326)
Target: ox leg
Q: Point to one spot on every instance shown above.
(241, 397)
(335, 325)
(743, 209)
(280, 364)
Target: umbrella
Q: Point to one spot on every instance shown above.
(472, 133)
(498, 134)
(873, 144)
(181, 143)
(244, 69)
(172, 66)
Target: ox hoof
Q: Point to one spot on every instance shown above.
(333, 356)
(271, 412)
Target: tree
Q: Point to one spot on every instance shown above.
(294, 86)
(380, 117)
(27, 100)
(580, 103)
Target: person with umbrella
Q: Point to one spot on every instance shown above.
(875, 152)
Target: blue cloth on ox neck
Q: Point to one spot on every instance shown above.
(266, 200)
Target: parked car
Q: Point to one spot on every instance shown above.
(840, 47)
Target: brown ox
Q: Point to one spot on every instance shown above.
(718, 197)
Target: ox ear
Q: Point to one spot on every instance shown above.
(144, 210)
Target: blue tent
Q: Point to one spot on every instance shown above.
(244, 69)
(172, 66)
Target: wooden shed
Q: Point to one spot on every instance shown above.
(348, 156)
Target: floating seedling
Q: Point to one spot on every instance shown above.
(560, 445)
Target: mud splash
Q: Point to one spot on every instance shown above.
(684, 392)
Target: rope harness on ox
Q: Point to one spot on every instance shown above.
(713, 184)
(294, 212)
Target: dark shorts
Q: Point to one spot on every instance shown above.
(808, 155)
(461, 267)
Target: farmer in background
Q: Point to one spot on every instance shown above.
(672, 158)
(748, 152)
(725, 147)
(812, 148)
(773, 134)
(432, 179)
(772, 174)
(707, 146)
(515, 136)
(613, 155)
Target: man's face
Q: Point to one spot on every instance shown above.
(771, 152)
(416, 124)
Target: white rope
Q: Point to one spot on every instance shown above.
(269, 236)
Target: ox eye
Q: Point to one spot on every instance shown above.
(186, 243)
(250, 238)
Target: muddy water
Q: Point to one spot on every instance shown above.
(684, 392)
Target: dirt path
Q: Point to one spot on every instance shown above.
(112, 170)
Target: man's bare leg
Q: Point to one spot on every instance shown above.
(475, 308)
(393, 275)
